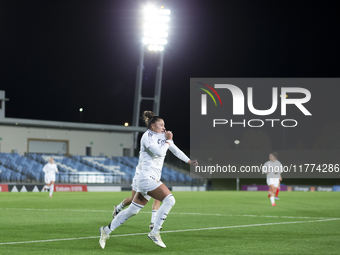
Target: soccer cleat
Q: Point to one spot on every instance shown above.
(151, 226)
(156, 238)
(276, 198)
(103, 237)
(114, 213)
(50, 195)
(273, 204)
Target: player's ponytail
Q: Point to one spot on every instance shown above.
(149, 118)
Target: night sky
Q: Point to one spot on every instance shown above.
(58, 56)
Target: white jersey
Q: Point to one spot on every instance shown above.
(138, 167)
(135, 178)
(153, 150)
(272, 169)
(50, 169)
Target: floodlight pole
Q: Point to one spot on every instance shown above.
(138, 93)
(138, 90)
(158, 84)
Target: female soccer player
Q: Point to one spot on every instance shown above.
(273, 169)
(127, 201)
(50, 169)
(154, 144)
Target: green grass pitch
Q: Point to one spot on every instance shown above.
(216, 222)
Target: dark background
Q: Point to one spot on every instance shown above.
(58, 56)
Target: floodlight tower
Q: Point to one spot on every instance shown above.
(155, 33)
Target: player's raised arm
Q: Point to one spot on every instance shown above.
(181, 155)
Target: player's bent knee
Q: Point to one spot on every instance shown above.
(173, 201)
(170, 200)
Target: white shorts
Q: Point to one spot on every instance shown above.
(147, 183)
(49, 178)
(273, 181)
(134, 182)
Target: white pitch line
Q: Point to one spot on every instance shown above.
(200, 214)
(173, 231)
(262, 216)
(53, 210)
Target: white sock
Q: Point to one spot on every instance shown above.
(123, 216)
(51, 190)
(272, 200)
(120, 207)
(162, 213)
(153, 215)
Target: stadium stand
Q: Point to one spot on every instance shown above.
(5, 174)
(78, 169)
(101, 163)
(19, 168)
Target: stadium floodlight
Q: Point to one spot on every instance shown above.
(155, 27)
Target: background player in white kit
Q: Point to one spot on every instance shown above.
(50, 169)
(154, 144)
(127, 201)
(273, 169)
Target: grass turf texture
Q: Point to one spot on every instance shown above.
(235, 222)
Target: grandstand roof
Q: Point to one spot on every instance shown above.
(69, 125)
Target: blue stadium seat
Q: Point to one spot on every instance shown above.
(188, 178)
(15, 176)
(181, 177)
(5, 173)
